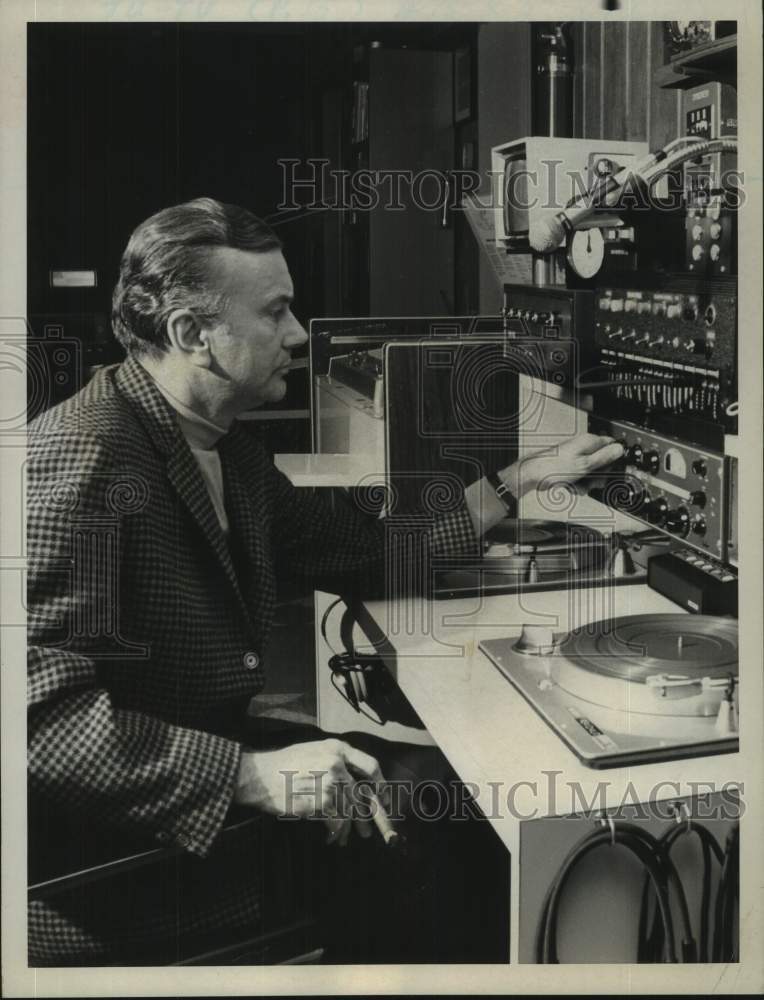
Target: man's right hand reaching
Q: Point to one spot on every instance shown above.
(311, 779)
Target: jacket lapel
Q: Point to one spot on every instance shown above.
(247, 517)
(157, 416)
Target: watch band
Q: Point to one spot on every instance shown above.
(503, 492)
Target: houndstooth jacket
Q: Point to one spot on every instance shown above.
(148, 634)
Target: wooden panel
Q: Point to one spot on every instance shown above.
(467, 253)
(505, 74)
(638, 81)
(663, 119)
(615, 97)
(591, 126)
(576, 33)
(331, 147)
(411, 256)
(450, 420)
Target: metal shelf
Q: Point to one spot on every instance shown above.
(716, 61)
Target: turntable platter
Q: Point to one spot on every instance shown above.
(640, 646)
(526, 536)
(638, 688)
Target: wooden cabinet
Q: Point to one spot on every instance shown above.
(396, 255)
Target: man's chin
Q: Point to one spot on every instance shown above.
(275, 390)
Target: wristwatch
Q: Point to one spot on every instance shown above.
(503, 492)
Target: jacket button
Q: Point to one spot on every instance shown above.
(163, 837)
(183, 840)
(251, 660)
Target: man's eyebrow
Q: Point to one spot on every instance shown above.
(281, 297)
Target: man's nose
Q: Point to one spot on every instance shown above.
(297, 335)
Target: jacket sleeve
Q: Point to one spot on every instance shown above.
(331, 544)
(122, 768)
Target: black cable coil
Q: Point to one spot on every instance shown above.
(662, 881)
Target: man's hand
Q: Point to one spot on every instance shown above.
(308, 780)
(564, 464)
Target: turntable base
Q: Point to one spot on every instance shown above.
(527, 554)
(632, 689)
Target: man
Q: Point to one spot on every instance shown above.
(158, 530)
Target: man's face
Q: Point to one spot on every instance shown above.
(252, 345)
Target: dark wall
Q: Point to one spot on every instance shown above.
(125, 119)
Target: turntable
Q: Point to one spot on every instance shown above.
(524, 554)
(636, 689)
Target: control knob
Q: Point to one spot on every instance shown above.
(634, 455)
(651, 461)
(657, 510)
(699, 526)
(537, 640)
(698, 499)
(678, 521)
(633, 499)
(699, 467)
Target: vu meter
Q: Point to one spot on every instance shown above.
(586, 252)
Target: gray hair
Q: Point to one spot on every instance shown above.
(165, 266)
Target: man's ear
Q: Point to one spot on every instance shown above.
(186, 335)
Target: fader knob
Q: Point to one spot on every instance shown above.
(678, 521)
(632, 499)
(698, 499)
(699, 467)
(690, 312)
(657, 510)
(651, 461)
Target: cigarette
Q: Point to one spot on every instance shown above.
(382, 821)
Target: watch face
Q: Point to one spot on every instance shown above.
(586, 251)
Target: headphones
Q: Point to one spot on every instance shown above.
(364, 681)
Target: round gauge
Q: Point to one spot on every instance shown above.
(586, 251)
